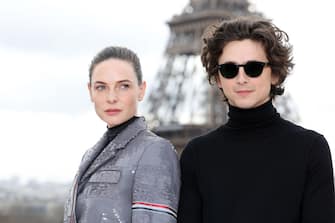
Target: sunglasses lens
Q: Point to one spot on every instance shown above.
(251, 68)
(228, 70)
(254, 68)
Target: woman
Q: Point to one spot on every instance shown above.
(130, 175)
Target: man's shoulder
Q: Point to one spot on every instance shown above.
(208, 136)
(297, 130)
(205, 140)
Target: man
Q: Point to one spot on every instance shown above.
(258, 167)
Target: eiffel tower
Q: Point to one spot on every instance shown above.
(183, 104)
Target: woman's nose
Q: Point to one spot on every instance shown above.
(112, 97)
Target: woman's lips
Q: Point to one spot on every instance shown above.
(112, 111)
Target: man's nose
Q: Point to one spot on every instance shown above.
(241, 77)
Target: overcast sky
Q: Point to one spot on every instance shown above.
(46, 119)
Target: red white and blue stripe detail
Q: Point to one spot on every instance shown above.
(159, 208)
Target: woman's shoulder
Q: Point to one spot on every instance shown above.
(149, 139)
(153, 140)
(156, 147)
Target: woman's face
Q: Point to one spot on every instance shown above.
(243, 91)
(115, 91)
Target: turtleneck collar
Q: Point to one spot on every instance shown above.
(115, 130)
(254, 117)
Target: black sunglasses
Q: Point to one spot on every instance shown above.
(251, 68)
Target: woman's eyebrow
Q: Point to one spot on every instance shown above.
(99, 82)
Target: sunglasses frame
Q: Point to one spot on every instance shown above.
(245, 67)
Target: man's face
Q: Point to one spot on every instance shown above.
(244, 91)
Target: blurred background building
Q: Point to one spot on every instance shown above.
(31, 202)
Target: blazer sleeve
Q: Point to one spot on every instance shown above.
(156, 185)
(319, 198)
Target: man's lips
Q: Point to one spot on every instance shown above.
(243, 92)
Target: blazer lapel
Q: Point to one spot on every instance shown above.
(91, 155)
(110, 150)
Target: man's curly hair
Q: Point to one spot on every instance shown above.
(275, 43)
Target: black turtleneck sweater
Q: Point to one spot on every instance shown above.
(257, 168)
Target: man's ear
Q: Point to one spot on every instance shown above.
(218, 82)
(274, 79)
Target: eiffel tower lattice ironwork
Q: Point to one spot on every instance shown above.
(182, 94)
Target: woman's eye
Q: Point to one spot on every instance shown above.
(100, 87)
(124, 86)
